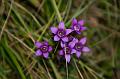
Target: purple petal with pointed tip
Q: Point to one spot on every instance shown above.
(81, 22)
(78, 54)
(50, 48)
(83, 40)
(72, 27)
(56, 38)
(46, 54)
(61, 25)
(74, 21)
(73, 51)
(45, 42)
(83, 28)
(38, 53)
(54, 30)
(75, 40)
(67, 57)
(65, 39)
(85, 49)
(68, 31)
(38, 44)
(61, 52)
(71, 44)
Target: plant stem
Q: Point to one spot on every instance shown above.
(54, 69)
(78, 69)
(56, 9)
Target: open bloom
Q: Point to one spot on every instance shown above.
(60, 32)
(77, 26)
(67, 51)
(43, 49)
(79, 46)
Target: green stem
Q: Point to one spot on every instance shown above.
(47, 69)
(54, 69)
(14, 60)
(56, 9)
(6, 20)
(46, 27)
(24, 9)
(92, 72)
(78, 69)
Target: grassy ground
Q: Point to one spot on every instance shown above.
(24, 21)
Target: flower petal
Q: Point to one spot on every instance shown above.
(71, 44)
(67, 57)
(61, 52)
(38, 53)
(68, 31)
(62, 44)
(73, 51)
(45, 42)
(72, 27)
(78, 32)
(83, 40)
(85, 49)
(46, 54)
(61, 25)
(56, 38)
(83, 28)
(78, 54)
(38, 44)
(50, 48)
(65, 39)
(81, 22)
(75, 40)
(54, 30)
(74, 21)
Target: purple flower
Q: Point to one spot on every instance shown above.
(43, 49)
(60, 32)
(70, 38)
(79, 46)
(67, 51)
(77, 26)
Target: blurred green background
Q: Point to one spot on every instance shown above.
(24, 21)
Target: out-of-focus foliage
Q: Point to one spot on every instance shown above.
(24, 21)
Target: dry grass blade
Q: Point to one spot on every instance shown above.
(78, 69)
(6, 19)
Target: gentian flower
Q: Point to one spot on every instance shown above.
(43, 49)
(60, 32)
(67, 51)
(70, 38)
(77, 26)
(79, 46)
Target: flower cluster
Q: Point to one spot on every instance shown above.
(69, 44)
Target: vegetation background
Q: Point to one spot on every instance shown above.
(24, 21)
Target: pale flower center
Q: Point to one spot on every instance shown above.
(76, 27)
(61, 33)
(78, 46)
(44, 48)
